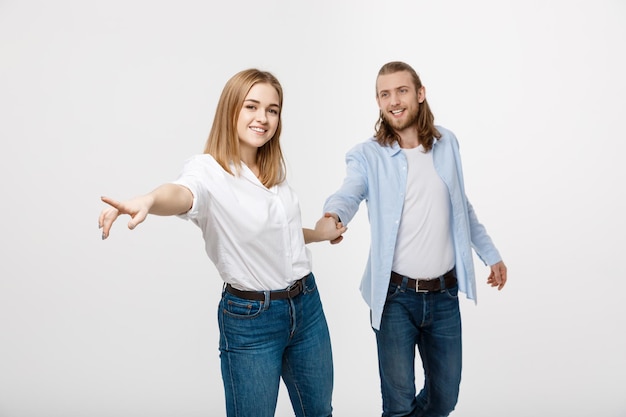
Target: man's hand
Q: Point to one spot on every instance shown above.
(497, 277)
(338, 224)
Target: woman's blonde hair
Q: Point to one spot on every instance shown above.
(223, 141)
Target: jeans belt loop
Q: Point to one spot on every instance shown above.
(405, 283)
(266, 303)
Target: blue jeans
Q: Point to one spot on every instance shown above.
(432, 322)
(261, 342)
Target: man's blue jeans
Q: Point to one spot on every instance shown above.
(261, 342)
(432, 322)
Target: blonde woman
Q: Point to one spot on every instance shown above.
(271, 320)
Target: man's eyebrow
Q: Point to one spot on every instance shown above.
(394, 88)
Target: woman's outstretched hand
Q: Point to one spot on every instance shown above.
(136, 208)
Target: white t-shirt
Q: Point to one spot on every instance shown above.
(424, 247)
(252, 234)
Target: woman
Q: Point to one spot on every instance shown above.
(271, 320)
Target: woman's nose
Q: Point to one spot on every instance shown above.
(261, 116)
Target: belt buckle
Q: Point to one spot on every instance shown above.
(295, 286)
(417, 286)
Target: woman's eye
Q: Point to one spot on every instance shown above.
(273, 111)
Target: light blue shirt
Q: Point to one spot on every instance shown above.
(378, 175)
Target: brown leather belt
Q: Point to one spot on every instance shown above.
(290, 292)
(426, 285)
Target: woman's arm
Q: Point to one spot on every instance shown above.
(165, 200)
(326, 228)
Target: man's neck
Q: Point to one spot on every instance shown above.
(408, 138)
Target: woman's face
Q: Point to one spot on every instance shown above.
(258, 118)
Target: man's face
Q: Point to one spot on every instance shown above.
(398, 99)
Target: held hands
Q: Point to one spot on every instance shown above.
(338, 224)
(137, 208)
(497, 277)
(330, 229)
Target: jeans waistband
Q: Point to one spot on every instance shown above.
(292, 291)
(447, 280)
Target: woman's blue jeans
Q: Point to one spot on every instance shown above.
(432, 322)
(260, 342)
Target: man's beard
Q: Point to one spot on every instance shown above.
(399, 125)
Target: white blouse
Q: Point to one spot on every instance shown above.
(252, 234)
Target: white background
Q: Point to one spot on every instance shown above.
(110, 97)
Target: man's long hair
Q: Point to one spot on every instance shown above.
(426, 131)
(223, 141)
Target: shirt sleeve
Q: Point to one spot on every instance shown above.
(193, 176)
(481, 241)
(346, 200)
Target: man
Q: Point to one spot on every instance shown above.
(423, 229)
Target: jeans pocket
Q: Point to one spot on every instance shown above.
(309, 284)
(453, 292)
(239, 308)
(393, 291)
